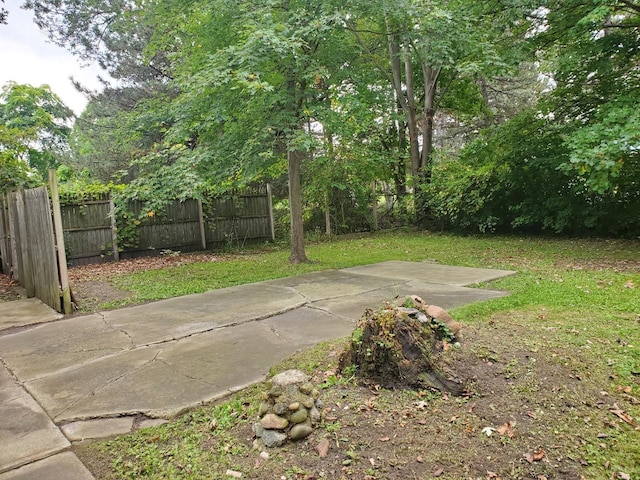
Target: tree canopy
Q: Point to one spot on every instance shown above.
(355, 100)
(34, 128)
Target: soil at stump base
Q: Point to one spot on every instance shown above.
(400, 346)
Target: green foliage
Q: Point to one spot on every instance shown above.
(593, 59)
(34, 127)
(515, 178)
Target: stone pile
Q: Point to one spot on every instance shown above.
(290, 409)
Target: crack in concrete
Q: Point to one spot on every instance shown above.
(111, 381)
(224, 326)
(132, 344)
(274, 330)
(176, 369)
(329, 312)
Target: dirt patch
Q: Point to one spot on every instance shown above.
(91, 294)
(7, 290)
(535, 409)
(524, 418)
(92, 284)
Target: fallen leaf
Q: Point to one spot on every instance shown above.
(421, 405)
(372, 462)
(323, 447)
(506, 429)
(419, 459)
(438, 472)
(622, 415)
(623, 476)
(542, 477)
(234, 474)
(488, 431)
(630, 284)
(532, 415)
(384, 439)
(535, 456)
(492, 475)
(630, 399)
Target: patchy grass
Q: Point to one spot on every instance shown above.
(188, 274)
(554, 371)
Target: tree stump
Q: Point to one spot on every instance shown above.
(401, 346)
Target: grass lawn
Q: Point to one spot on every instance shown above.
(557, 362)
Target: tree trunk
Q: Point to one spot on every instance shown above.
(423, 178)
(298, 254)
(327, 214)
(412, 121)
(407, 103)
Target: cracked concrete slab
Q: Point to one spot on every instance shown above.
(54, 346)
(61, 393)
(430, 272)
(26, 312)
(445, 296)
(26, 432)
(333, 283)
(63, 466)
(98, 428)
(180, 317)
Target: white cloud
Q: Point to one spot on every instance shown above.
(27, 56)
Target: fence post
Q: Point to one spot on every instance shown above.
(5, 239)
(67, 307)
(114, 229)
(203, 235)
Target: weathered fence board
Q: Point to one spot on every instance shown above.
(28, 251)
(41, 245)
(88, 231)
(189, 225)
(5, 236)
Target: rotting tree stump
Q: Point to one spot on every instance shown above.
(401, 346)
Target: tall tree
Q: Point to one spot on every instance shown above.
(35, 126)
(256, 91)
(593, 52)
(432, 47)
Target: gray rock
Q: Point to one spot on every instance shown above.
(308, 402)
(290, 377)
(298, 432)
(319, 404)
(306, 388)
(257, 429)
(275, 391)
(272, 439)
(315, 416)
(280, 408)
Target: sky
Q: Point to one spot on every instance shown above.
(27, 56)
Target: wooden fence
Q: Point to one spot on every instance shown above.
(38, 238)
(91, 236)
(28, 247)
